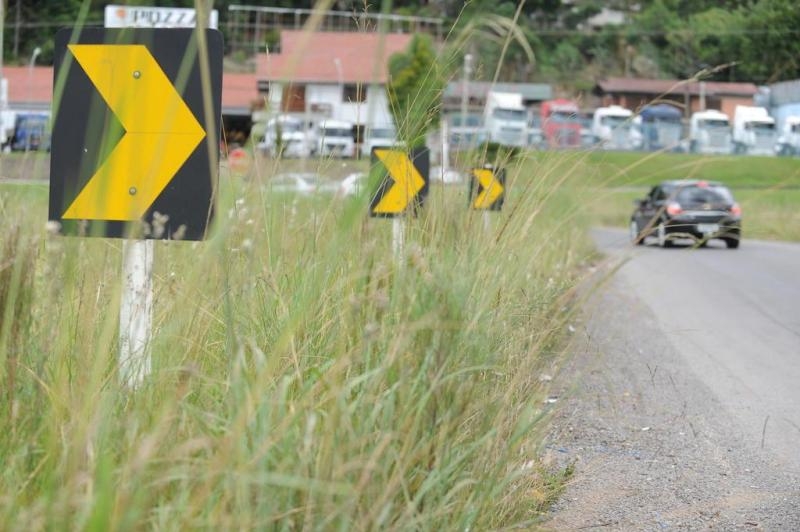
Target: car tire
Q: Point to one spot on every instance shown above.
(661, 233)
(731, 243)
(636, 237)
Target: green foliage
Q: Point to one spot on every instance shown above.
(415, 90)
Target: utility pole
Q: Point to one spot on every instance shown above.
(467, 71)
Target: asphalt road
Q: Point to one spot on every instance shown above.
(680, 408)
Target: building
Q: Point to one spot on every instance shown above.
(690, 96)
(337, 75)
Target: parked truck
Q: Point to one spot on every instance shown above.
(611, 127)
(660, 127)
(789, 140)
(286, 136)
(754, 131)
(31, 132)
(560, 124)
(505, 119)
(709, 132)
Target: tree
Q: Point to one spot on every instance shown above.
(415, 89)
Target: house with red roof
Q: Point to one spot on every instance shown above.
(326, 74)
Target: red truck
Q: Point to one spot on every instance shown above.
(561, 126)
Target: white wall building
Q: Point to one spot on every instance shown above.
(338, 75)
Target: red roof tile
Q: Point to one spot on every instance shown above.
(239, 90)
(312, 57)
(29, 85)
(674, 86)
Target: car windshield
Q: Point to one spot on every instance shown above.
(471, 121)
(290, 126)
(760, 126)
(701, 195)
(561, 117)
(509, 114)
(614, 121)
(336, 132)
(32, 123)
(382, 133)
(716, 122)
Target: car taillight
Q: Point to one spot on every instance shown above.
(736, 210)
(673, 209)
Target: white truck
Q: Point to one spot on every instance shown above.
(789, 141)
(506, 119)
(287, 136)
(335, 139)
(611, 127)
(710, 132)
(753, 131)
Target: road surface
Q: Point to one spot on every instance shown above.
(680, 407)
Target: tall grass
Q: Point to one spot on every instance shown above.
(304, 377)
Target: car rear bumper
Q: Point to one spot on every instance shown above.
(703, 228)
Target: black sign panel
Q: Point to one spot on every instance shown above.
(135, 143)
(402, 177)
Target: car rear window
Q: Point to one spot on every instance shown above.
(694, 195)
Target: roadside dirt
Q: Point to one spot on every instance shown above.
(652, 447)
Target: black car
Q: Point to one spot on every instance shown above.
(696, 209)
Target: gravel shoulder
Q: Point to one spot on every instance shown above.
(653, 447)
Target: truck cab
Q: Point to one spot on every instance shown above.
(561, 127)
(611, 127)
(31, 132)
(754, 131)
(506, 119)
(789, 141)
(709, 132)
(335, 139)
(286, 136)
(660, 127)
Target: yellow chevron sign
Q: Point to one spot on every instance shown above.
(159, 136)
(490, 189)
(135, 141)
(406, 183)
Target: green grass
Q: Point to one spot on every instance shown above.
(304, 376)
(619, 169)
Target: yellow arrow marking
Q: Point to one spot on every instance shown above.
(407, 182)
(160, 132)
(492, 189)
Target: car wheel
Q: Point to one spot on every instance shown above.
(636, 238)
(731, 243)
(661, 232)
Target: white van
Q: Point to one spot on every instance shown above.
(335, 139)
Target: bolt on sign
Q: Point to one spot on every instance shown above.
(403, 181)
(135, 143)
(487, 189)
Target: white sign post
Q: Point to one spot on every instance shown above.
(136, 311)
(398, 238)
(136, 304)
